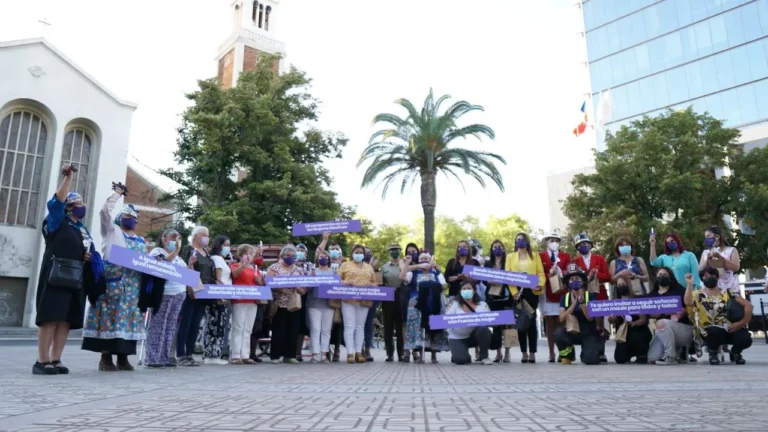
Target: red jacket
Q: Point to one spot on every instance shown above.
(603, 275)
(546, 260)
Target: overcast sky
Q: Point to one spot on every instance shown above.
(521, 60)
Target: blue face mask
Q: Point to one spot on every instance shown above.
(225, 251)
(335, 254)
(301, 256)
(625, 250)
(467, 294)
(358, 257)
(171, 245)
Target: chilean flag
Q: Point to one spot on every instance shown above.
(578, 130)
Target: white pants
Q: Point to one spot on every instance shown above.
(320, 323)
(354, 326)
(243, 316)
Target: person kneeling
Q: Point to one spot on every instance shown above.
(461, 339)
(633, 335)
(579, 328)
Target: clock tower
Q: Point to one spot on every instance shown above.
(252, 37)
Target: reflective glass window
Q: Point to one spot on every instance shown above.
(617, 69)
(703, 39)
(594, 76)
(747, 103)
(643, 64)
(761, 89)
(630, 64)
(713, 6)
(750, 20)
(715, 106)
(693, 73)
(758, 61)
(614, 41)
(656, 53)
(731, 112)
(698, 10)
(688, 42)
(762, 7)
(620, 102)
(625, 33)
(683, 7)
(740, 60)
(610, 10)
(661, 95)
(733, 28)
(648, 100)
(651, 19)
(667, 13)
(677, 85)
(638, 27)
(724, 67)
(673, 50)
(700, 105)
(634, 98)
(718, 32)
(709, 82)
(586, 9)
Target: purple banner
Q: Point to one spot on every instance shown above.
(152, 266)
(234, 292)
(477, 319)
(634, 306)
(314, 228)
(376, 293)
(523, 280)
(302, 281)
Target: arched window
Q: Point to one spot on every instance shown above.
(261, 15)
(77, 151)
(23, 138)
(255, 13)
(266, 19)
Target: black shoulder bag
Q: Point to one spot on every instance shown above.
(66, 273)
(734, 311)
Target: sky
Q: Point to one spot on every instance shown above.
(523, 61)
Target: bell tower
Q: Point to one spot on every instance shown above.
(253, 29)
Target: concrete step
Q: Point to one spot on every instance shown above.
(30, 333)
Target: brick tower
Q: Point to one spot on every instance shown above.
(252, 37)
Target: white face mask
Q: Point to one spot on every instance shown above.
(554, 246)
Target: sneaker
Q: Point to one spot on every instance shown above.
(44, 369)
(566, 361)
(714, 358)
(487, 362)
(735, 358)
(275, 361)
(668, 361)
(214, 361)
(292, 361)
(173, 361)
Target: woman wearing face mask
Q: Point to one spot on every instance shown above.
(425, 287)
(638, 334)
(525, 261)
(192, 311)
(356, 273)
(681, 261)
(320, 313)
(216, 310)
(461, 339)
(261, 324)
(596, 267)
(370, 259)
(715, 326)
(337, 331)
(720, 255)
(60, 308)
(115, 324)
(455, 267)
(574, 304)
(412, 250)
(674, 332)
(285, 323)
(243, 311)
(627, 266)
(498, 297)
(555, 262)
(162, 325)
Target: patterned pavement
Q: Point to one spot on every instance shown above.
(384, 397)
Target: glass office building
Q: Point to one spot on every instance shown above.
(654, 55)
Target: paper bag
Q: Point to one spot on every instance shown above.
(717, 263)
(294, 303)
(511, 338)
(554, 283)
(637, 287)
(572, 324)
(494, 290)
(594, 286)
(379, 279)
(621, 333)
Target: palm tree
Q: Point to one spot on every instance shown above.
(420, 144)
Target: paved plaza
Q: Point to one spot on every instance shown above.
(384, 397)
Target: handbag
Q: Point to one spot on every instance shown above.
(66, 273)
(621, 333)
(294, 303)
(522, 318)
(734, 311)
(511, 338)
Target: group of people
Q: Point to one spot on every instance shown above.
(714, 314)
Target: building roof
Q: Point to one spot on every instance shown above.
(53, 49)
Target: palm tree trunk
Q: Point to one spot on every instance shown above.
(428, 204)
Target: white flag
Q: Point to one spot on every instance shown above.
(605, 112)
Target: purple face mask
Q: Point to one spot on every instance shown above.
(289, 260)
(709, 242)
(498, 251)
(521, 244)
(128, 223)
(322, 261)
(672, 245)
(79, 212)
(584, 249)
(463, 251)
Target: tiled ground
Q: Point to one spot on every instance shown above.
(384, 397)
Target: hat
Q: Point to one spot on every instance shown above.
(581, 238)
(74, 197)
(394, 246)
(552, 235)
(476, 243)
(128, 210)
(575, 270)
(301, 246)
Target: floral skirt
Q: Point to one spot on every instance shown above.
(437, 340)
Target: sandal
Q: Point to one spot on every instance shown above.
(248, 361)
(44, 369)
(62, 370)
(236, 362)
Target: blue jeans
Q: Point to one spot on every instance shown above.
(192, 312)
(369, 324)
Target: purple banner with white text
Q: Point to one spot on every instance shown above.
(234, 292)
(302, 281)
(523, 280)
(634, 306)
(150, 265)
(314, 228)
(477, 319)
(375, 293)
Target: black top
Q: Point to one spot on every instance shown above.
(680, 292)
(578, 313)
(204, 264)
(455, 268)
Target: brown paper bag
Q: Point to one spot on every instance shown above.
(717, 263)
(594, 286)
(494, 290)
(555, 284)
(572, 324)
(621, 333)
(637, 287)
(511, 338)
(379, 279)
(294, 303)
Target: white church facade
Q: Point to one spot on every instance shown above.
(51, 112)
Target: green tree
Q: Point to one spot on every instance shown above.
(378, 238)
(250, 161)
(422, 145)
(749, 185)
(656, 173)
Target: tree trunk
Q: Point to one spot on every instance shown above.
(428, 203)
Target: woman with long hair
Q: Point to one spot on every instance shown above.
(637, 336)
(674, 332)
(244, 311)
(722, 256)
(216, 310)
(527, 300)
(676, 257)
(461, 339)
(356, 273)
(455, 267)
(498, 297)
(319, 312)
(555, 262)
